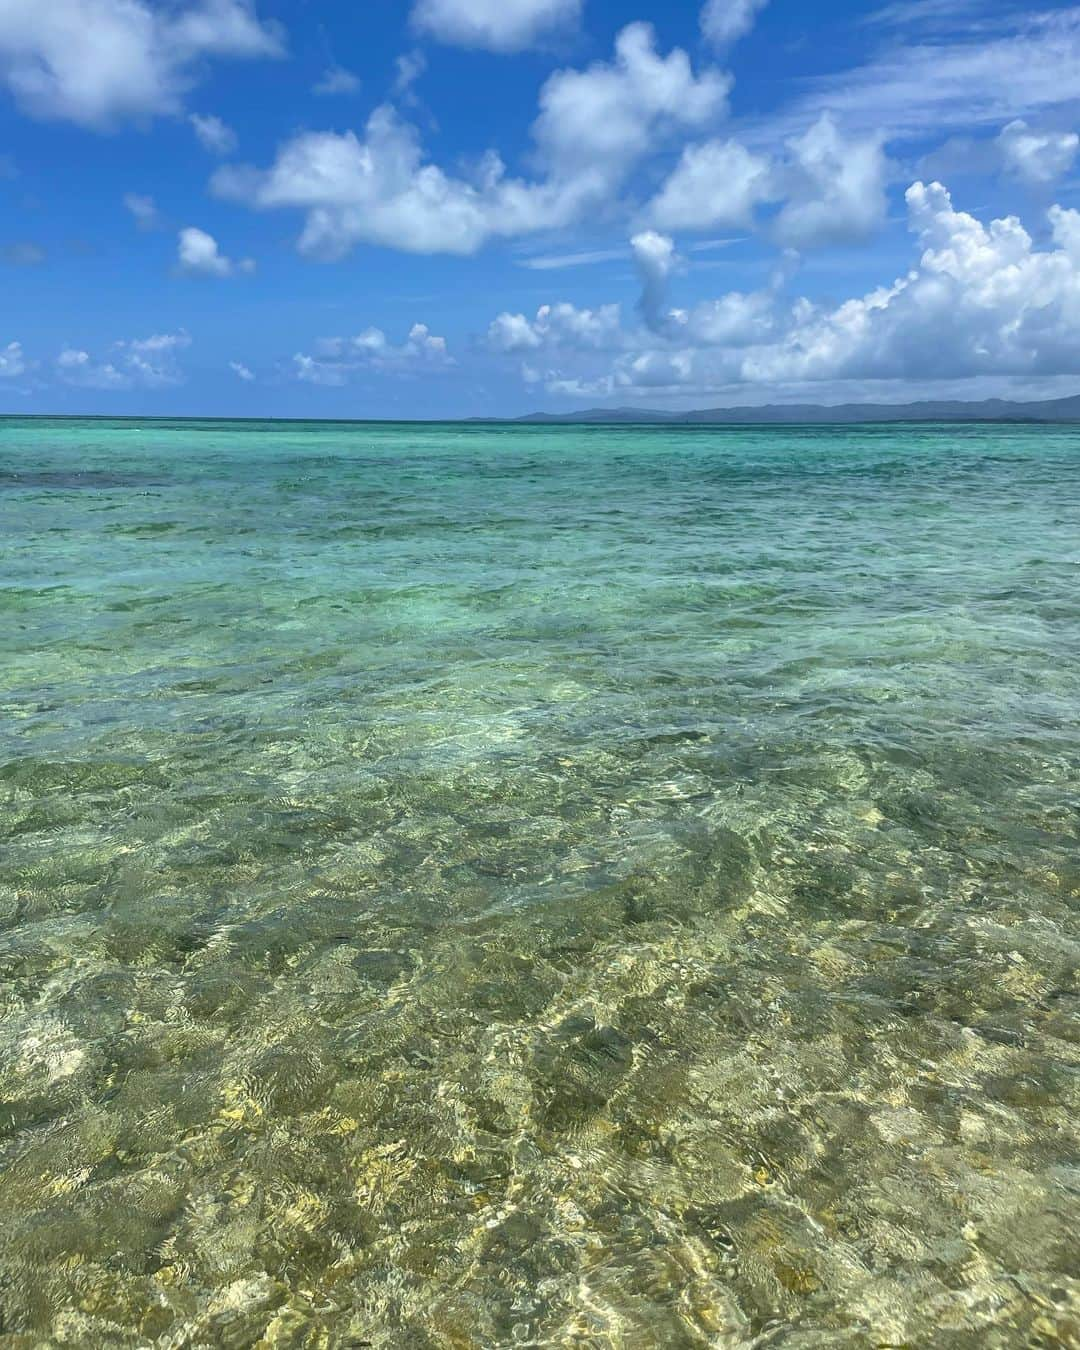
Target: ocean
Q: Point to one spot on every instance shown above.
(499, 885)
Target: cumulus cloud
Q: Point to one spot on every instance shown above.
(495, 25)
(561, 325)
(982, 301)
(378, 189)
(737, 319)
(336, 79)
(144, 210)
(338, 359)
(213, 134)
(76, 367)
(130, 60)
(724, 21)
(198, 255)
(148, 363)
(834, 185)
(604, 118)
(12, 361)
(718, 183)
(241, 371)
(734, 319)
(1037, 156)
(152, 361)
(592, 127)
(654, 258)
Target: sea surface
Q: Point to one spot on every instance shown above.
(478, 886)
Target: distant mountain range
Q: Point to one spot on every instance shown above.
(989, 410)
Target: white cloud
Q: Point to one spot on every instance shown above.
(832, 187)
(514, 333)
(981, 302)
(214, 135)
(379, 190)
(241, 371)
(835, 188)
(716, 183)
(654, 258)
(149, 363)
(927, 15)
(548, 262)
(738, 319)
(76, 367)
(1001, 67)
(102, 62)
(339, 358)
(408, 69)
(561, 325)
(199, 256)
(152, 361)
(734, 319)
(592, 127)
(327, 373)
(12, 361)
(603, 119)
(1065, 227)
(373, 349)
(496, 25)
(143, 209)
(1033, 156)
(724, 21)
(1037, 156)
(336, 80)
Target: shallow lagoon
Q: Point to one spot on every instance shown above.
(481, 886)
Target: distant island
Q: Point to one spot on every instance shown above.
(988, 410)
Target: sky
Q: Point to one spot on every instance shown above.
(453, 208)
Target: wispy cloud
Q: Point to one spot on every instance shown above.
(926, 14)
(23, 254)
(707, 245)
(409, 67)
(986, 70)
(213, 134)
(549, 262)
(336, 80)
(144, 210)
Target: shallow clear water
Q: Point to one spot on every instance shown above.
(481, 886)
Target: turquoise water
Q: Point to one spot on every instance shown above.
(479, 886)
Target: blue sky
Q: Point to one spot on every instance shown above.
(482, 207)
